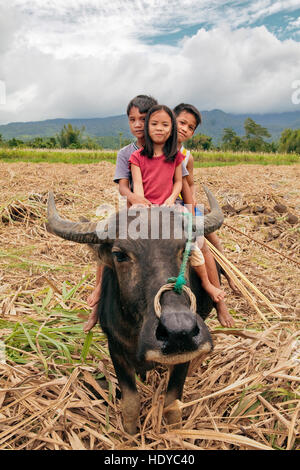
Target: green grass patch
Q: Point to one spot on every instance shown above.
(210, 158)
(12, 261)
(59, 340)
(202, 159)
(55, 335)
(56, 156)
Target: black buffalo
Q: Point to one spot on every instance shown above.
(135, 269)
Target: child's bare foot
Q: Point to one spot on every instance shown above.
(232, 285)
(93, 299)
(215, 293)
(224, 316)
(92, 320)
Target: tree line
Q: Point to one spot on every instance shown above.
(254, 140)
(69, 138)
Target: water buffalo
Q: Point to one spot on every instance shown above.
(136, 268)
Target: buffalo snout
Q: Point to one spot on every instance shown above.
(177, 332)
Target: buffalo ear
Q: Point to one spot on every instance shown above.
(102, 253)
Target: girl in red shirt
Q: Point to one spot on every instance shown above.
(156, 167)
(157, 176)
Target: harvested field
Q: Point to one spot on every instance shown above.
(245, 395)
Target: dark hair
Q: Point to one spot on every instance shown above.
(170, 147)
(142, 102)
(189, 108)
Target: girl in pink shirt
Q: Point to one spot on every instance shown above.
(157, 176)
(156, 167)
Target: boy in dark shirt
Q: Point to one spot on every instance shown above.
(188, 118)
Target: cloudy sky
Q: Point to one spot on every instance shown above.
(88, 58)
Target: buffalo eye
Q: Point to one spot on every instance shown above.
(120, 256)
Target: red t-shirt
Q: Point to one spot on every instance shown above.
(157, 175)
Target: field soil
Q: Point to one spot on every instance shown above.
(245, 395)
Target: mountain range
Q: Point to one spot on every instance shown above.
(213, 123)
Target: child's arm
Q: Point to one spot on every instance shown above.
(132, 198)
(190, 177)
(138, 188)
(177, 186)
(187, 195)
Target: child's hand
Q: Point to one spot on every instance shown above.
(140, 200)
(169, 202)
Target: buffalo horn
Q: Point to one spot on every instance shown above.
(215, 218)
(86, 232)
(80, 232)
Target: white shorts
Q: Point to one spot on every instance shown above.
(196, 257)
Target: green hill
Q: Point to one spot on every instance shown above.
(213, 124)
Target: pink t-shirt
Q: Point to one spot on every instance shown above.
(157, 175)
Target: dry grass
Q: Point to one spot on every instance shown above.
(245, 395)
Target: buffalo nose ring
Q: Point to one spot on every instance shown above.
(170, 286)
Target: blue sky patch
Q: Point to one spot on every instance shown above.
(284, 24)
(175, 35)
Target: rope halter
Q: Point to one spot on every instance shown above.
(170, 286)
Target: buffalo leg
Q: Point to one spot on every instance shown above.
(174, 391)
(130, 397)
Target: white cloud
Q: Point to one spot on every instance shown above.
(10, 21)
(247, 70)
(87, 58)
(55, 25)
(294, 24)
